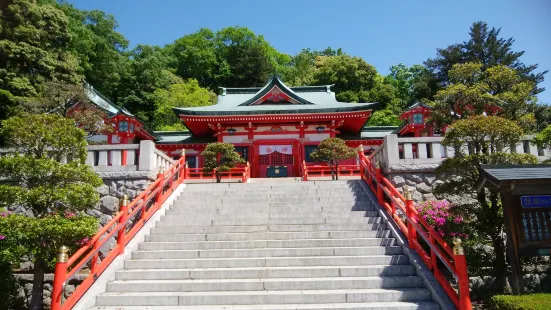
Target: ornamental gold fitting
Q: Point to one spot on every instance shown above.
(458, 249)
(63, 255)
(408, 193)
(124, 201)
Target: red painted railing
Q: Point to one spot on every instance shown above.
(325, 171)
(243, 173)
(434, 251)
(124, 225)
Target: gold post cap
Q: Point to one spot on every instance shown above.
(161, 170)
(408, 193)
(377, 165)
(63, 255)
(124, 200)
(458, 249)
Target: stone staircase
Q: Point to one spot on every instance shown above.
(270, 245)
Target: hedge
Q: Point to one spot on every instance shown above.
(524, 302)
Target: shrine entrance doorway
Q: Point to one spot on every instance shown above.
(275, 161)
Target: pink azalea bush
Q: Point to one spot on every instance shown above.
(439, 214)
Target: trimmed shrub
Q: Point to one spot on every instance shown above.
(523, 302)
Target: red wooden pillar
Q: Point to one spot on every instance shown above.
(59, 277)
(121, 239)
(462, 275)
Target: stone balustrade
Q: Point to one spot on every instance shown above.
(106, 158)
(430, 151)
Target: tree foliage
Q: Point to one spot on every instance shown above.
(474, 91)
(485, 46)
(384, 117)
(220, 157)
(47, 175)
(34, 48)
(187, 94)
(333, 150)
(486, 139)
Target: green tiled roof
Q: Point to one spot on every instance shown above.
(312, 99)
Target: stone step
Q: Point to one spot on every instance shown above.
(266, 272)
(278, 194)
(166, 221)
(268, 252)
(271, 207)
(422, 305)
(262, 297)
(269, 236)
(274, 284)
(266, 262)
(257, 244)
(252, 199)
(267, 221)
(375, 223)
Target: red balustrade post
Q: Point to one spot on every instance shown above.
(59, 277)
(121, 239)
(462, 275)
(186, 167)
(411, 219)
(379, 177)
(161, 177)
(305, 172)
(183, 170)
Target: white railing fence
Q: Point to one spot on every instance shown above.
(429, 150)
(122, 157)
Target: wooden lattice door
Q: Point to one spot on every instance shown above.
(276, 160)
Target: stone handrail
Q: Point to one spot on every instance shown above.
(162, 160)
(429, 150)
(122, 157)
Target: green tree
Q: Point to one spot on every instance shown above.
(543, 138)
(487, 138)
(473, 91)
(194, 57)
(149, 71)
(346, 72)
(333, 150)
(485, 46)
(49, 178)
(385, 117)
(187, 94)
(244, 58)
(100, 49)
(302, 66)
(34, 48)
(220, 157)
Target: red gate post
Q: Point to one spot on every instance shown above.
(462, 275)
(410, 212)
(59, 277)
(304, 172)
(379, 177)
(121, 239)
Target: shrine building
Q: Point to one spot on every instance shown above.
(273, 125)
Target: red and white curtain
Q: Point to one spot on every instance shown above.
(269, 149)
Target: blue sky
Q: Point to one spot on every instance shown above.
(381, 32)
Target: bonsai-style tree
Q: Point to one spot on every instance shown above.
(486, 139)
(332, 150)
(220, 157)
(49, 179)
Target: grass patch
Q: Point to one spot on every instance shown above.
(524, 302)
